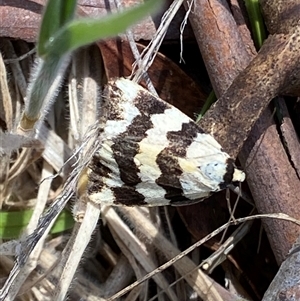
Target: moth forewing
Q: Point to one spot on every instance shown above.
(152, 154)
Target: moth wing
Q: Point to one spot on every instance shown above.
(151, 152)
(120, 179)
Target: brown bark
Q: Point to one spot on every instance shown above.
(285, 286)
(276, 69)
(222, 48)
(273, 183)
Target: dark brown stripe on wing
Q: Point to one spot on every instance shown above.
(128, 196)
(110, 110)
(96, 176)
(169, 180)
(126, 145)
(147, 104)
(170, 170)
(181, 140)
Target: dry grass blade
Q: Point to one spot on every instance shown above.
(32, 262)
(181, 255)
(136, 247)
(5, 98)
(74, 250)
(221, 254)
(148, 55)
(15, 67)
(197, 280)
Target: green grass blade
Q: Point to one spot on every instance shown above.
(12, 223)
(65, 221)
(84, 31)
(57, 13)
(208, 103)
(256, 21)
(47, 70)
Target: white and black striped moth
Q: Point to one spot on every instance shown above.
(151, 154)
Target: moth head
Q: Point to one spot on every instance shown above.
(217, 171)
(223, 173)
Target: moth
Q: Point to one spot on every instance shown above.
(151, 154)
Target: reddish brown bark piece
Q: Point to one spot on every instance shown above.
(170, 82)
(273, 183)
(220, 42)
(20, 19)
